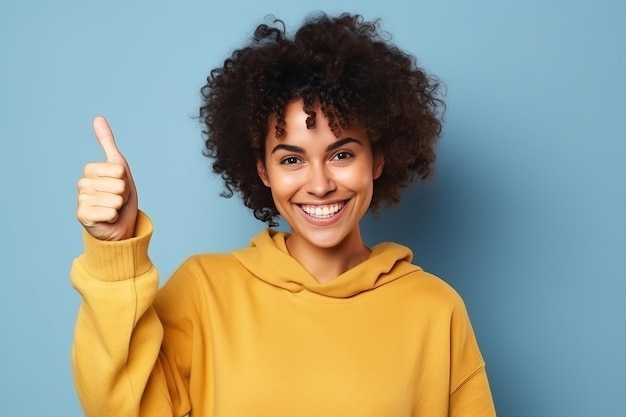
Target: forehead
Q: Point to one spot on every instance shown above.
(296, 117)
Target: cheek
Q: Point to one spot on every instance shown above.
(282, 182)
(358, 180)
(283, 185)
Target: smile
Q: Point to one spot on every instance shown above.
(324, 211)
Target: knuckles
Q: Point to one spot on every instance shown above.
(83, 184)
(116, 201)
(91, 216)
(104, 169)
(101, 200)
(117, 170)
(105, 185)
(103, 191)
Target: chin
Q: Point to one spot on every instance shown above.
(326, 239)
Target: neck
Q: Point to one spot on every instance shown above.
(326, 264)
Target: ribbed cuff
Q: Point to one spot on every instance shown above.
(119, 260)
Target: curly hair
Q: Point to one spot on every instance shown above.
(345, 65)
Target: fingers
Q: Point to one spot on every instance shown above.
(102, 191)
(104, 169)
(100, 199)
(105, 137)
(97, 209)
(104, 178)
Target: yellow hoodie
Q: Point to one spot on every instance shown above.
(253, 334)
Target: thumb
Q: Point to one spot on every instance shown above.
(104, 134)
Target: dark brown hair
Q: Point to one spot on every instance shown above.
(346, 65)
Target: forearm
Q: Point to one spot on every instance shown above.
(118, 335)
(116, 345)
(473, 398)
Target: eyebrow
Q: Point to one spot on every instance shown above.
(331, 147)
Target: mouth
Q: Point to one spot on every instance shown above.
(324, 211)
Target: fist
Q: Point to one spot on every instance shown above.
(107, 197)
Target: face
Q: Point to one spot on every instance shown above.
(321, 184)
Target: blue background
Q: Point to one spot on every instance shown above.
(525, 217)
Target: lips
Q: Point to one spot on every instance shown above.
(323, 211)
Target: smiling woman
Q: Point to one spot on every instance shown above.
(341, 67)
(316, 129)
(321, 183)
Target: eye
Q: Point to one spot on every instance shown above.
(290, 160)
(342, 156)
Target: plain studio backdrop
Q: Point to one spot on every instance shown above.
(525, 217)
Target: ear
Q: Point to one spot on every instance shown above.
(260, 169)
(379, 163)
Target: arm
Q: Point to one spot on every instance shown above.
(470, 393)
(118, 367)
(473, 397)
(118, 335)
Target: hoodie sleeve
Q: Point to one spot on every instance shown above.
(118, 366)
(470, 395)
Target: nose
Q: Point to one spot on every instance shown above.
(319, 182)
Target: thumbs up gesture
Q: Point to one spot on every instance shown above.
(107, 197)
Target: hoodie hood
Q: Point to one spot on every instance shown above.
(267, 258)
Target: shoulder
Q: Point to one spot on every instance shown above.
(197, 281)
(209, 270)
(200, 268)
(410, 280)
(431, 289)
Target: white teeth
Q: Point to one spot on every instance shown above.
(322, 212)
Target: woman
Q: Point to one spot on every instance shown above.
(317, 130)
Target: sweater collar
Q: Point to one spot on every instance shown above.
(268, 259)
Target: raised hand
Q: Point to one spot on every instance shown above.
(107, 197)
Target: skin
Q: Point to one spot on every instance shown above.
(311, 169)
(107, 196)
